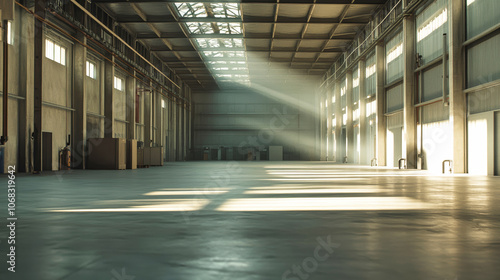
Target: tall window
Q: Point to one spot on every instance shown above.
(91, 70)
(55, 52)
(118, 84)
(10, 35)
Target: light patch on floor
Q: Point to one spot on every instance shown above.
(202, 192)
(170, 205)
(304, 191)
(307, 186)
(323, 204)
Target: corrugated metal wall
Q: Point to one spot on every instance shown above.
(484, 100)
(250, 118)
(432, 81)
(394, 99)
(481, 15)
(483, 62)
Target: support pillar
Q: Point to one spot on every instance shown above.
(182, 141)
(458, 110)
(349, 125)
(147, 116)
(380, 95)
(130, 89)
(158, 116)
(338, 117)
(26, 64)
(362, 114)
(322, 126)
(109, 116)
(410, 130)
(172, 130)
(328, 119)
(80, 104)
(38, 69)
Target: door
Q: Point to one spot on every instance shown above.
(394, 146)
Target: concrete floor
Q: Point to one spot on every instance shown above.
(255, 220)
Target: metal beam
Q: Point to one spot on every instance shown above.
(343, 36)
(304, 30)
(332, 33)
(250, 2)
(167, 19)
(280, 50)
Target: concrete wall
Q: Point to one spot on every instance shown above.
(253, 117)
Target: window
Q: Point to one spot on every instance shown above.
(118, 83)
(370, 70)
(395, 53)
(55, 52)
(91, 70)
(10, 35)
(432, 25)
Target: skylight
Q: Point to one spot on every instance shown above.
(199, 10)
(217, 54)
(191, 10)
(224, 56)
(229, 27)
(200, 28)
(217, 43)
(225, 10)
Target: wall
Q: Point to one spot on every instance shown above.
(57, 98)
(443, 116)
(95, 100)
(15, 100)
(256, 117)
(59, 95)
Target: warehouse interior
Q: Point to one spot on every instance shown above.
(251, 139)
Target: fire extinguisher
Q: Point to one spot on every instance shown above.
(66, 158)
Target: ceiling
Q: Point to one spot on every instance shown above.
(210, 43)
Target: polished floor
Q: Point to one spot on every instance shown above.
(254, 220)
